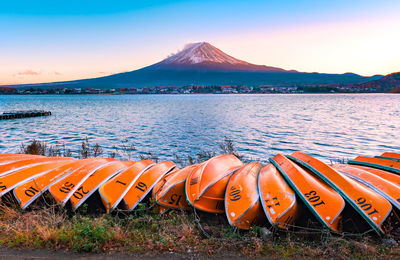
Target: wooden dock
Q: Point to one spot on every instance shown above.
(23, 114)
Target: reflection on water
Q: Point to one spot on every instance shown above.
(326, 126)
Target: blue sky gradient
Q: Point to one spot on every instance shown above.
(62, 40)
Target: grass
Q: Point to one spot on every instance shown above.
(147, 233)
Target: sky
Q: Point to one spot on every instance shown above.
(47, 41)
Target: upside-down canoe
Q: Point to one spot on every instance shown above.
(206, 184)
(28, 192)
(63, 189)
(113, 191)
(389, 176)
(388, 190)
(242, 203)
(145, 183)
(92, 184)
(383, 164)
(390, 156)
(4, 159)
(277, 198)
(325, 203)
(28, 162)
(10, 181)
(276, 192)
(370, 205)
(169, 192)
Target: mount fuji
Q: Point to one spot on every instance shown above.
(203, 64)
(203, 56)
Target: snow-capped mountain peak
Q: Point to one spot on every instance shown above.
(201, 52)
(202, 56)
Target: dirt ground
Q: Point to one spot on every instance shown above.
(15, 254)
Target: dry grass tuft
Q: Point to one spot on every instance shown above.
(151, 234)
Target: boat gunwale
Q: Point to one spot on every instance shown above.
(374, 188)
(375, 165)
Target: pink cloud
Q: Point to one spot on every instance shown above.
(29, 73)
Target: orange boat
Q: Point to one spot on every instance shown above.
(169, 192)
(94, 181)
(10, 181)
(382, 164)
(370, 205)
(9, 158)
(390, 156)
(113, 191)
(325, 204)
(145, 183)
(242, 203)
(5, 156)
(392, 177)
(28, 192)
(63, 189)
(28, 162)
(206, 184)
(385, 188)
(277, 198)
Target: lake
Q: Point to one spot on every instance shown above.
(328, 126)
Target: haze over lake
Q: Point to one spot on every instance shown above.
(333, 126)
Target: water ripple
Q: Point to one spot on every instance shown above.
(327, 126)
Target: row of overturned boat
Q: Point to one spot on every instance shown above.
(292, 191)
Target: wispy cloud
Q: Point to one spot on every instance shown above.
(29, 73)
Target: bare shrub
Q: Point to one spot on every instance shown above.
(36, 147)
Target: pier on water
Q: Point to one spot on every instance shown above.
(23, 113)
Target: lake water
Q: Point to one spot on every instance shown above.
(330, 127)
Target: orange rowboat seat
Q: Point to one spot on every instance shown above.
(145, 183)
(94, 181)
(385, 188)
(10, 181)
(324, 203)
(389, 176)
(277, 198)
(206, 184)
(63, 189)
(370, 205)
(113, 191)
(242, 203)
(390, 156)
(169, 192)
(28, 192)
(383, 164)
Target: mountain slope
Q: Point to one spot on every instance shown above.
(203, 64)
(389, 83)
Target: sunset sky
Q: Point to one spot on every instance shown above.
(44, 41)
